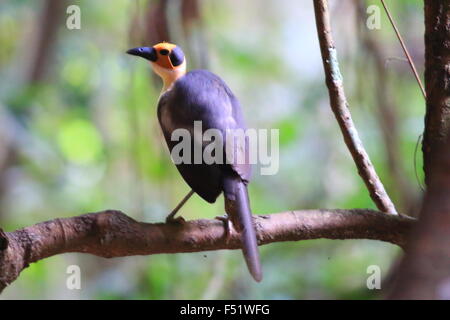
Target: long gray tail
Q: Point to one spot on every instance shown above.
(237, 206)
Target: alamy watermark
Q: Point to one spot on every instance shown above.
(73, 21)
(73, 281)
(374, 280)
(232, 146)
(373, 21)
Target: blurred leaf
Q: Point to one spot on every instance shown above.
(288, 131)
(80, 142)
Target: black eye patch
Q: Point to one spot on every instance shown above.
(176, 56)
(164, 52)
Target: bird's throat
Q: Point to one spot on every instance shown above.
(169, 76)
(169, 80)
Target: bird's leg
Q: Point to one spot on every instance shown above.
(171, 217)
(227, 225)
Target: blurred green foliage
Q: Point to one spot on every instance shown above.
(86, 138)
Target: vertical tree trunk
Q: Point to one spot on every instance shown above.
(437, 79)
(46, 34)
(424, 273)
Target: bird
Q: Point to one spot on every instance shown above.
(200, 95)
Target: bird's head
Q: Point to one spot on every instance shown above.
(167, 60)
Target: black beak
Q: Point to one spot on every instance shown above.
(144, 52)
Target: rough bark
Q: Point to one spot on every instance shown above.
(424, 273)
(113, 234)
(437, 80)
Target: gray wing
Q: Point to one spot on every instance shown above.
(202, 96)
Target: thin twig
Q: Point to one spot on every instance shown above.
(405, 50)
(180, 205)
(339, 105)
(387, 113)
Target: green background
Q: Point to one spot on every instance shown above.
(85, 138)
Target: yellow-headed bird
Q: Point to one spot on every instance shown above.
(200, 95)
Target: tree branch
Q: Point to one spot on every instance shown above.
(339, 105)
(113, 234)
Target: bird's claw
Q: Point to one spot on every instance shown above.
(227, 225)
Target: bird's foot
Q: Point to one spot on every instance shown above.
(227, 225)
(172, 220)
